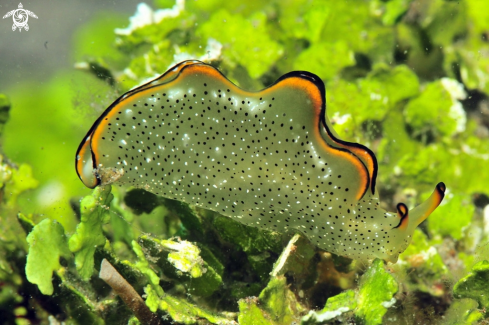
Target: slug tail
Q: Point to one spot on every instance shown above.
(422, 211)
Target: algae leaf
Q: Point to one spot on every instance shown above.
(250, 313)
(179, 310)
(325, 59)
(463, 312)
(17, 181)
(251, 240)
(437, 109)
(456, 208)
(89, 234)
(315, 15)
(182, 311)
(254, 49)
(376, 294)
(335, 306)
(422, 255)
(143, 266)
(276, 303)
(474, 285)
(47, 243)
(280, 301)
(393, 10)
(370, 98)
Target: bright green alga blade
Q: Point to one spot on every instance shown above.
(325, 58)
(376, 294)
(179, 310)
(89, 234)
(335, 306)
(255, 50)
(374, 297)
(437, 109)
(463, 312)
(143, 266)
(250, 313)
(475, 285)
(15, 180)
(460, 212)
(276, 303)
(47, 243)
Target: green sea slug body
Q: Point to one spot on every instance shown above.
(269, 159)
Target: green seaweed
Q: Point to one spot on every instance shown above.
(376, 293)
(143, 266)
(250, 240)
(436, 109)
(335, 307)
(179, 309)
(423, 265)
(325, 59)
(250, 313)
(256, 50)
(474, 285)
(279, 301)
(392, 11)
(121, 219)
(15, 180)
(460, 211)
(182, 259)
(463, 311)
(275, 305)
(47, 244)
(370, 98)
(369, 304)
(89, 234)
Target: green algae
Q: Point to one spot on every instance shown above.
(463, 312)
(370, 98)
(436, 109)
(275, 305)
(376, 293)
(250, 313)
(253, 30)
(199, 271)
(47, 243)
(179, 309)
(368, 304)
(423, 268)
(279, 301)
(460, 211)
(335, 307)
(89, 234)
(474, 285)
(251, 240)
(392, 11)
(326, 59)
(16, 180)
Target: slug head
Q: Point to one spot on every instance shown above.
(402, 233)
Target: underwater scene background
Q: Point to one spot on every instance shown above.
(408, 79)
